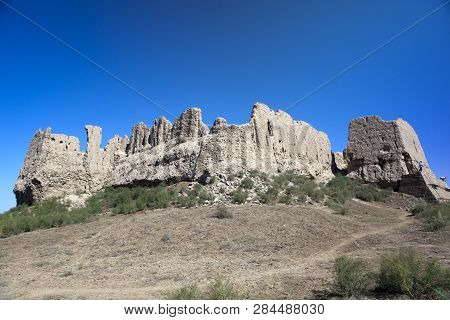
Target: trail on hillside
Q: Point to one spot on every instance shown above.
(328, 256)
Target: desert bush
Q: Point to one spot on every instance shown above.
(352, 277)
(341, 188)
(286, 199)
(223, 213)
(336, 207)
(406, 273)
(190, 292)
(435, 215)
(247, 183)
(43, 215)
(271, 196)
(53, 213)
(259, 174)
(222, 289)
(317, 195)
(192, 198)
(239, 196)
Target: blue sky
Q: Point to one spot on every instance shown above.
(221, 56)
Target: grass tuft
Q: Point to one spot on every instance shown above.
(353, 277)
(223, 213)
(190, 292)
(435, 215)
(222, 289)
(406, 273)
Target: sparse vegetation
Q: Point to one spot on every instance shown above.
(403, 273)
(270, 197)
(223, 213)
(353, 277)
(406, 273)
(247, 183)
(128, 200)
(192, 198)
(45, 214)
(189, 292)
(54, 213)
(435, 215)
(239, 196)
(336, 207)
(341, 188)
(220, 289)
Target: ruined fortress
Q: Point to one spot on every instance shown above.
(382, 152)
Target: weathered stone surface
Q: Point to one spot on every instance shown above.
(383, 152)
(160, 132)
(219, 124)
(339, 163)
(54, 165)
(189, 125)
(139, 139)
(388, 153)
(271, 142)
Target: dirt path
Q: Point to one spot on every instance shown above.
(268, 251)
(315, 261)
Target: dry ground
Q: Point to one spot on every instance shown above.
(272, 252)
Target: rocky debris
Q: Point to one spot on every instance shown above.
(388, 153)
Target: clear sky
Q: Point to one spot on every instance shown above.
(221, 56)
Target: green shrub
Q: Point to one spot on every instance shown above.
(239, 196)
(336, 207)
(53, 213)
(352, 277)
(286, 199)
(341, 188)
(223, 213)
(192, 198)
(45, 214)
(271, 196)
(406, 273)
(190, 292)
(317, 195)
(247, 183)
(222, 289)
(436, 215)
